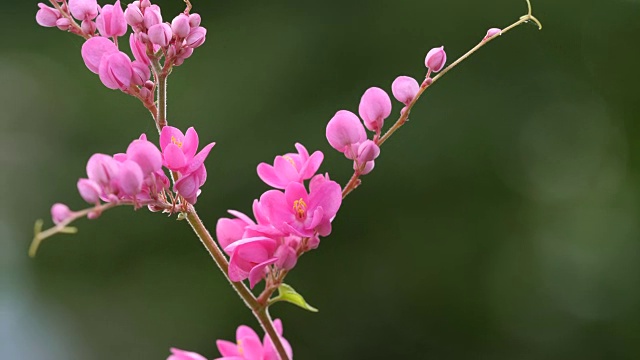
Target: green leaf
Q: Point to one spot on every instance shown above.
(289, 294)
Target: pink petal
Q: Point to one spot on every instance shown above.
(245, 332)
(227, 348)
(304, 154)
(328, 196)
(268, 174)
(375, 106)
(94, 49)
(130, 178)
(257, 273)
(190, 144)
(285, 170)
(404, 89)
(170, 134)
(199, 159)
(146, 154)
(251, 348)
(277, 210)
(312, 165)
(174, 157)
(229, 230)
(177, 354)
(345, 129)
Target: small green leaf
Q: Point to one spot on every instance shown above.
(288, 294)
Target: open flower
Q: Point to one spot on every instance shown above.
(290, 168)
(297, 212)
(179, 150)
(249, 347)
(250, 257)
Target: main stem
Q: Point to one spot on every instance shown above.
(259, 310)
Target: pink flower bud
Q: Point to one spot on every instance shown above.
(150, 85)
(83, 9)
(63, 24)
(145, 4)
(116, 71)
(146, 155)
(141, 73)
(180, 26)
(344, 130)
(88, 27)
(59, 213)
(491, 33)
(47, 16)
(404, 89)
(196, 37)
(368, 167)
(130, 178)
(287, 257)
(139, 50)
(94, 49)
(102, 169)
(194, 20)
(152, 16)
(111, 21)
(89, 190)
(133, 16)
(368, 151)
(160, 34)
(436, 58)
(146, 94)
(375, 106)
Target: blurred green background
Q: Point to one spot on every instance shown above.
(501, 223)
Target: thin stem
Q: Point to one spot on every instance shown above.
(259, 310)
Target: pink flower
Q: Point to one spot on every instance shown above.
(103, 170)
(116, 71)
(59, 213)
(83, 9)
(139, 50)
(405, 89)
(160, 34)
(94, 49)
(194, 20)
(111, 21)
(179, 150)
(47, 16)
(375, 106)
(491, 33)
(196, 37)
(290, 168)
(141, 73)
(250, 257)
(130, 178)
(436, 59)
(345, 132)
(152, 16)
(249, 347)
(188, 185)
(146, 155)
(89, 190)
(302, 214)
(229, 231)
(180, 26)
(133, 15)
(177, 354)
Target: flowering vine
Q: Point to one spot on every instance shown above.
(286, 221)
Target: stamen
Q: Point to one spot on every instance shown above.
(300, 207)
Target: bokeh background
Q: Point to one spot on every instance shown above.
(502, 222)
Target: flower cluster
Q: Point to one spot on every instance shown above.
(247, 347)
(288, 223)
(137, 175)
(151, 38)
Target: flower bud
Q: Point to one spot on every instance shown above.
(94, 49)
(88, 27)
(375, 106)
(116, 71)
(149, 85)
(196, 37)
(368, 151)
(83, 9)
(405, 89)
(141, 73)
(59, 213)
(63, 24)
(102, 169)
(344, 130)
(146, 94)
(111, 21)
(194, 20)
(133, 16)
(130, 178)
(152, 16)
(146, 155)
(47, 16)
(436, 58)
(139, 50)
(89, 190)
(180, 26)
(368, 167)
(491, 33)
(160, 34)
(144, 4)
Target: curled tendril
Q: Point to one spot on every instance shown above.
(530, 16)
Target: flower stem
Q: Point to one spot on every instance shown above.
(259, 310)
